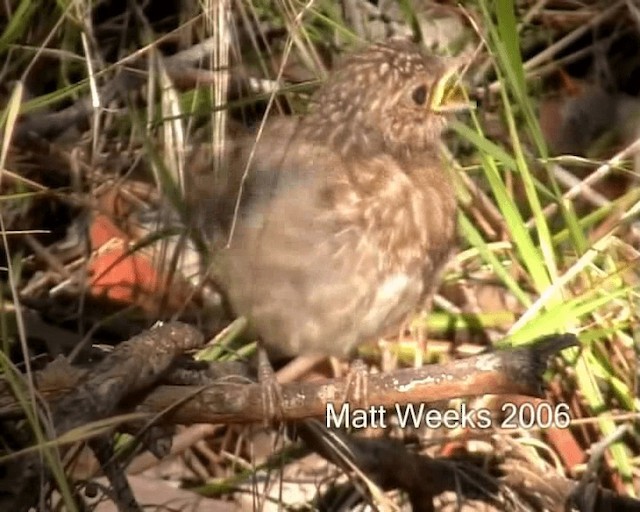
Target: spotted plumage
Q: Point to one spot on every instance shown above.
(347, 216)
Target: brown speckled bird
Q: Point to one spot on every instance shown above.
(347, 216)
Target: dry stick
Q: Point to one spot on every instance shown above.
(133, 366)
(551, 51)
(557, 63)
(45, 254)
(510, 371)
(595, 176)
(389, 464)
(552, 491)
(50, 124)
(120, 493)
(582, 492)
(179, 444)
(300, 366)
(569, 180)
(138, 363)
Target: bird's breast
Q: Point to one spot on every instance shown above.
(339, 252)
(395, 297)
(409, 215)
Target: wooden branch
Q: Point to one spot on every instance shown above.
(509, 371)
(93, 395)
(119, 383)
(392, 465)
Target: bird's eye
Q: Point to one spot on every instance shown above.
(419, 94)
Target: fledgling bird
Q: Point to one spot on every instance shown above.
(347, 216)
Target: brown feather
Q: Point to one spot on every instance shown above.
(347, 217)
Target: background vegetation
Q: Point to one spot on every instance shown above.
(114, 113)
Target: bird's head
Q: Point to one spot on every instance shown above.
(391, 97)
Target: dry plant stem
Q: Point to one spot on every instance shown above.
(569, 180)
(120, 491)
(492, 218)
(133, 366)
(561, 62)
(50, 124)
(552, 491)
(583, 493)
(507, 371)
(502, 372)
(552, 50)
(391, 465)
(594, 177)
(45, 254)
(179, 444)
(299, 367)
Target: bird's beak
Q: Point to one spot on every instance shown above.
(447, 94)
